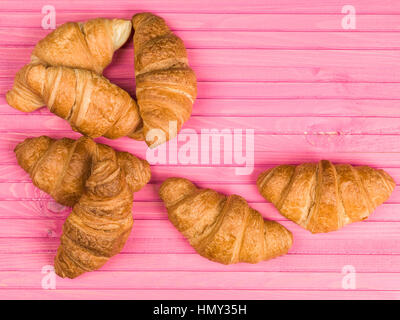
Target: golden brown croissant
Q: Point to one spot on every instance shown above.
(87, 45)
(89, 102)
(322, 197)
(222, 228)
(165, 84)
(100, 222)
(61, 167)
(98, 182)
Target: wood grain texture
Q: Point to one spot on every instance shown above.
(303, 22)
(200, 39)
(142, 294)
(287, 69)
(210, 6)
(343, 67)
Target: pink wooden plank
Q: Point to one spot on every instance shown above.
(220, 21)
(203, 280)
(319, 148)
(163, 229)
(102, 294)
(296, 99)
(354, 149)
(204, 174)
(150, 210)
(206, 6)
(277, 107)
(26, 191)
(265, 125)
(149, 236)
(194, 262)
(254, 65)
(277, 90)
(323, 144)
(245, 39)
(369, 240)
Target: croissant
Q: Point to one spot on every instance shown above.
(100, 222)
(221, 228)
(89, 45)
(89, 102)
(62, 167)
(322, 197)
(98, 182)
(165, 84)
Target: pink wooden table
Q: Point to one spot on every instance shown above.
(293, 71)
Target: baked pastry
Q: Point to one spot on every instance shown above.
(90, 103)
(221, 228)
(99, 224)
(322, 197)
(64, 75)
(166, 86)
(61, 167)
(86, 45)
(98, 182)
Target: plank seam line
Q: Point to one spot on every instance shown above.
(135, 213)
(226, 12)
(339, 271)
(242, 29)
(199, 289)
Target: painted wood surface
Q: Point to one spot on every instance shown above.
(286, 69)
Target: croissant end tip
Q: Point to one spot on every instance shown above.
(173, 190)
(138, 17)
(121, 31)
